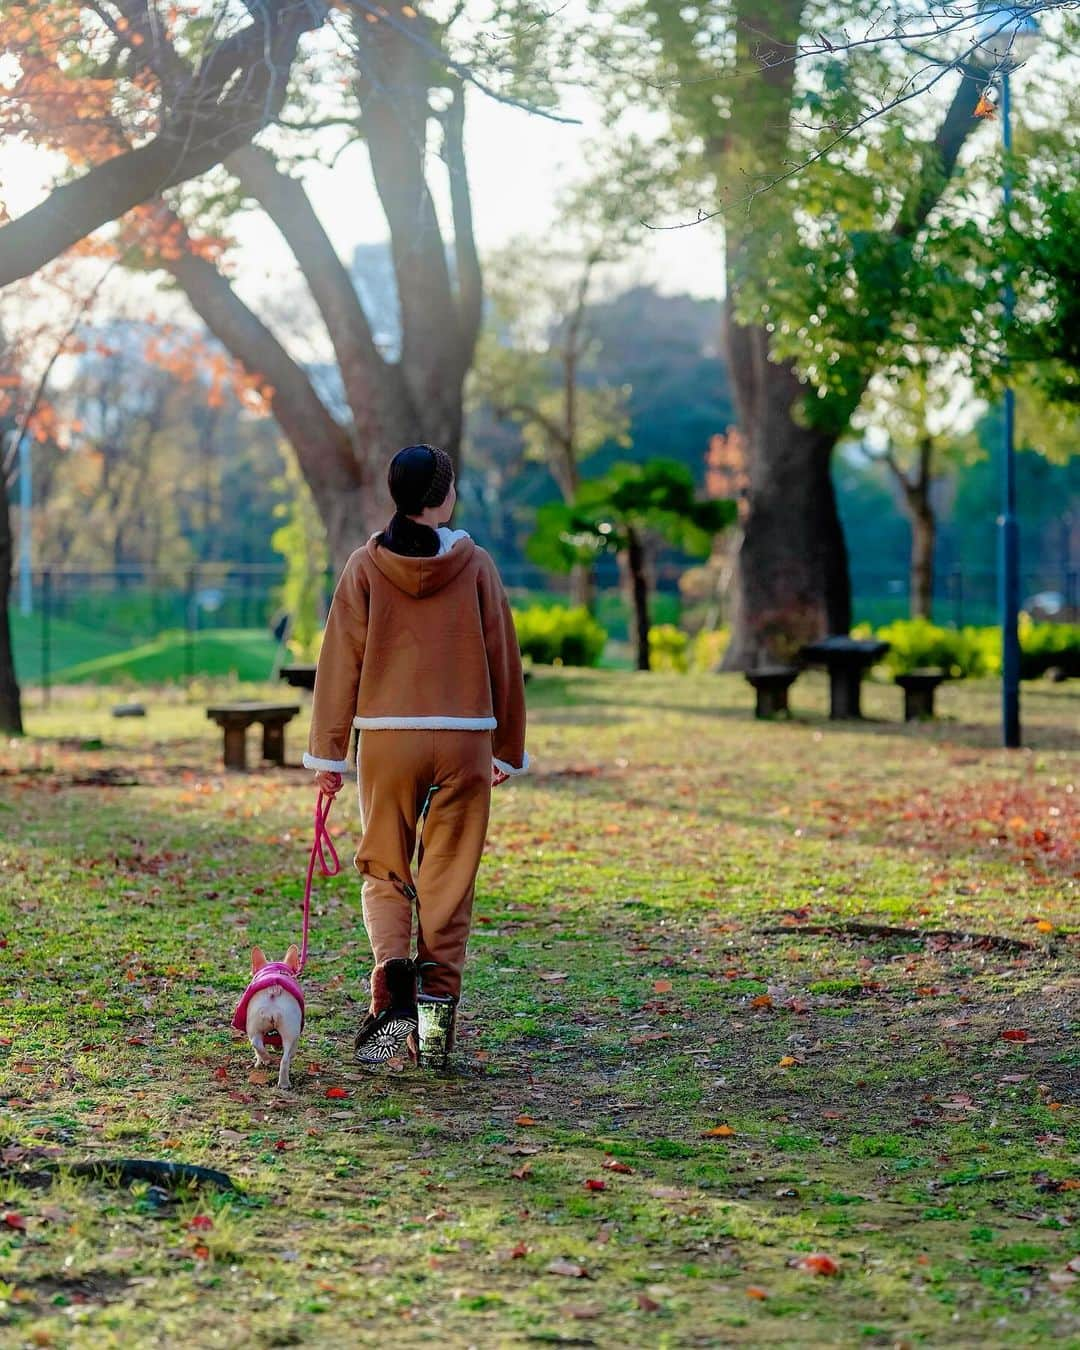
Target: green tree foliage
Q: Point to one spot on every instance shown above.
(622, 513)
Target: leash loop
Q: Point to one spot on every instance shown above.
(321, 846)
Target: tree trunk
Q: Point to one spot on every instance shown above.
(923, 527)
(639, 589)
(583, 587)
(10, 702)
(923, 542)
(791, 581)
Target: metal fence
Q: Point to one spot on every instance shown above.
(81, 623)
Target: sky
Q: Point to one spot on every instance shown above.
(517, 163)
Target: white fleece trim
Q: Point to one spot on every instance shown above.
(325, 765)
(512, 773)
(448, 538)
(437, 723)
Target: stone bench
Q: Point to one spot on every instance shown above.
(771, 685)
(919, 687)
(300, 676)
(235, 718)
(847, 660)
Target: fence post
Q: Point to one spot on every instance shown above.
(46, 614)
(190, 621)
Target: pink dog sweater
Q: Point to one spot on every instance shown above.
(274, 972)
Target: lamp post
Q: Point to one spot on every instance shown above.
(1004, 39)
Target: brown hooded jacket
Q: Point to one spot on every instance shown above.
(419, 643)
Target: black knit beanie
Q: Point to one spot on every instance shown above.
(420, 476)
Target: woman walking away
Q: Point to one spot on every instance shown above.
(421, 655)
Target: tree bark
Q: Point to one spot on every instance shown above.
(639, 590)
(10, 700)
(923, 544)
(791, 576)
(435, 350)
(920, 512)
(583, 587)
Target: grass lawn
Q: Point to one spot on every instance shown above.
(706, 1093)
(79, 655)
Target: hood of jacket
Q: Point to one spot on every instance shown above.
(420, 577)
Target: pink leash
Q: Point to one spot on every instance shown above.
(321, 845)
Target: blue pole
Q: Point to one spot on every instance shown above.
(1009, 536)
(26, 591)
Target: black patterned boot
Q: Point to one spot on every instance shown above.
(385, 1031)
(436, 1032)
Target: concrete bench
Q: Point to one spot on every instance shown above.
(299, 676)
(771, 685)
(235, 718)
(847, 661)
(919, 687)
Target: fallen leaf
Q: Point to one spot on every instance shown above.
(202, 1253)
(762, 1001)
(524, 1120)
(518, 1250)
(13, 1220)
(1016, 1034)
(647, 1304)
(570, 1269)
(336, 1093)
(755, 1291)
(260, 1077)
(662, 987)
(523, 1172)
(553, 976)
(614, 1165)
(788, 1061)
(818, 1263)
(201, 1223)
(718, 1132)
(593, 1185)
(1045, 926)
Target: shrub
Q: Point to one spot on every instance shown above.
(558, 636)
(668, 648)
(1046, 645)
(917, 643)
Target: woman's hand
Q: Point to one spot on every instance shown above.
(497, 775)
(328, 783)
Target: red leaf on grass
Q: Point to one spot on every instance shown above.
(718, 1132)
(13, 1220)
(614, 1165)
(523, 1172)
(593, 1185)
(524, 1120)
(647, 1304)
(201, 1223)
(336, 1093)
(818, 1263)
(662, 986)
(1015, 1034)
